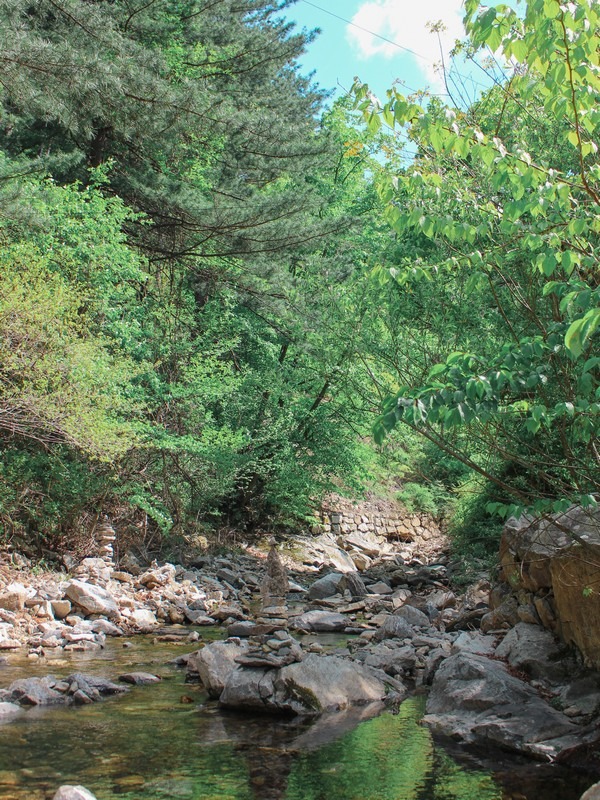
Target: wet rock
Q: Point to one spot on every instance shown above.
(139, 678)
(33, 692)
(92, 687)
(319, 621)
(8, 711)
(68, 792)
(477, 700)
(92, 599)
(536, 652)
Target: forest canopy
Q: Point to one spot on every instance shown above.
(214, 284)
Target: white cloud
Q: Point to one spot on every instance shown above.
(405, 22)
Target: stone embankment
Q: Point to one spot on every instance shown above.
(492, 680)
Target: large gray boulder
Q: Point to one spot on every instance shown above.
(477, 700)
(215, 662)
(536, 652)
(311, 687)
(319, 621)
(92, 599)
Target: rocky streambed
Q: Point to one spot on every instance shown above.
(344, 663)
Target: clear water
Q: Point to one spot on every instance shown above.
(168, 741)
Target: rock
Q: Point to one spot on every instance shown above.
(215, 662)
(380, 587)
(92, 599)
(311, 687)
(246, 627)
(92, 686)
(67, 792)
(413, 616)
(34, 692)
(143, 618)
(536, 652)
(394, 627)
(158, 576)
(391, 659)
(93, 570)
(474, 642)
(61, 608)
(13, 597)
(477, 700)
(319, 621)
(8, 711)
(593, 793)
(275, 585)
(326, 586)
(501, 618)
(139, 678)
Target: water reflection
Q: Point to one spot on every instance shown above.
(148, 745)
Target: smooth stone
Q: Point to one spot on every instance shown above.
(68, 792)
(139, 678)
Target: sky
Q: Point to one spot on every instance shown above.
(408, 52)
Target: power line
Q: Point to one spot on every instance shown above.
(371, 33)
(392, 42)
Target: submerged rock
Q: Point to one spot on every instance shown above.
(67, 792)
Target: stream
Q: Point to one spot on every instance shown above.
(168, 741)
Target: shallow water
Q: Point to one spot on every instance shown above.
(168, 741)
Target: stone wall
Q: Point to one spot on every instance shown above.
(387, 519)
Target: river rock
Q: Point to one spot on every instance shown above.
(309, 688)
(8, 711)
(477, 700)
(215, 662)
(413, 616)
(139, 678)
(13, 597)
(536, 652)
(337, 583)
(92, 599)
(143, 618)
(319, 621)
(394, 627)
(68, 792)
(34, 692)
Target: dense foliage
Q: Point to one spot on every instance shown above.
(211, 285)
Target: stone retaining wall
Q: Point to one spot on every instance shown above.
(387, 519)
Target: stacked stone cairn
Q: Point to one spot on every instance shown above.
(106, 538)
(274, 589)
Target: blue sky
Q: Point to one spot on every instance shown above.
(405, 50)
(343, 50)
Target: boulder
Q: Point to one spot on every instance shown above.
(413, 616)
(33, 692)
(215, 662)
(67, 792)
(143, 618)
(337, 582)
(536, 652)
(139, 678)
(394, 627)
(309, 688)
(475, 699)
(92, 599)
(319, 621)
